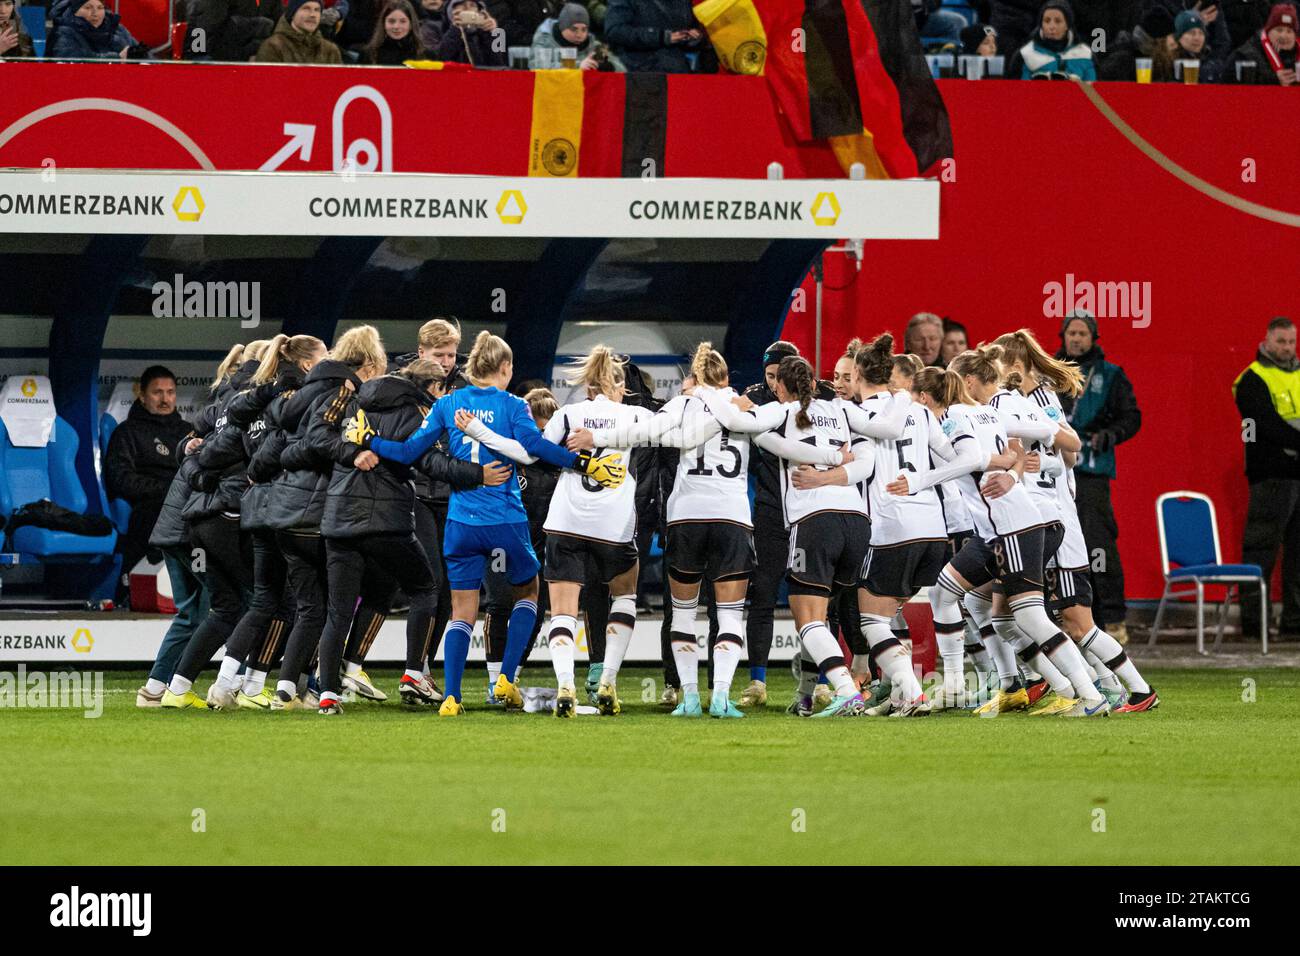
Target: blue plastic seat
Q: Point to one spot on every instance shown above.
(118, 508)
(1190, 555)
(30, 474)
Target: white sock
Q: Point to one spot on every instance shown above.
(618, 635)
(1004, 658)
(179, 685)
(952, 649)
(686, 655)
(288, 688)
(560, 638)
(254, 681)
(1026, 651)
(413, 673)
(352, 668)
(494, 671)
(1105, 676)
(726, 657)
(824, 651)
(891, 657)
(153, 687)
(1031, 617)
(226, 674)
(1114, 658)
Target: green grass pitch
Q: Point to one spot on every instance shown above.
(1207, 779)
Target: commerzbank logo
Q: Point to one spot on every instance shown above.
(825, 209)
(188, 204)
(82, 642)
(511, 207)
(29, 387)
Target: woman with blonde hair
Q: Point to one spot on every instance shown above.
(1040, 378)
(484, 523)
(1008, 549)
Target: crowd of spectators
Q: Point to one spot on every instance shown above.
(1231, 41)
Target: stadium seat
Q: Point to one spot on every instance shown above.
(31, 474)
(34, 22)
(1190, 555)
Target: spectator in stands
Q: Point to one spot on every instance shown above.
(357, 25)
(935, 23)
(1215, 26)
(431, 20)
(1272, 51)
(228, 29)
(955, 340)
(141, 460)
(597, 10)
(521, 18)
(1189, 34)
(924, 338)
(14, 39)
(1053, 50)
(1105, 415)
(979, 39)
(1013, 20)
(395, 40)
(662, 36)
(84, 29)
(1099, 23)
(1153, 39)
(571, 30)
(1244, 18)
(467, 35)
(297, 38)
(1268, 397)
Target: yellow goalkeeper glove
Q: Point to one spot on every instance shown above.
(607, 470)
(358, 430)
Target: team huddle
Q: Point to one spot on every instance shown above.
(324, 482)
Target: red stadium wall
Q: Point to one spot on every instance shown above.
(1043, 186)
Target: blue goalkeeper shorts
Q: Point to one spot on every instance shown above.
(469, 548)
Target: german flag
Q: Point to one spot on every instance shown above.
(573, 132)
(848, 72)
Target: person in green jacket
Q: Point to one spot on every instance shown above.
(297, 38)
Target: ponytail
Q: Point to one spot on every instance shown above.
(542, 404)
(487, 356)
(422, 373)
(601, 372)
(875, 360)
(361, 348)
(708, 366)
(944, 386)
(796, 375)
(984, 363)
(270, 361)
(286, 348)
(228, 366)
(1021, 347)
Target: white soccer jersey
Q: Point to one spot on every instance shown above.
(580, 505)
(1023, 412)
(898, 519)
(1014, 511)
(1073, 552)
(712, 481)
(956, 516)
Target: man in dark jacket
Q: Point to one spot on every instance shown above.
(229, 29)
(1268, 396)
(1218, 42)
(655, 36)
(141, 461)
(1105, 415)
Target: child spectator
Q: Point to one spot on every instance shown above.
(572, 30)
(14, 40)
(395, 40)
(979, 39)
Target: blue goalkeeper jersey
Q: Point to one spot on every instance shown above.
(507, 416)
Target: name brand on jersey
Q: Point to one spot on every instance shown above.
(485, 415)
(822, 421)
(591, 424)
(985, 418)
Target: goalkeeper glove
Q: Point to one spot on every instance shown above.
(358, 431)
(607, 470)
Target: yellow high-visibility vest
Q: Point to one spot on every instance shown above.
(1283, 387)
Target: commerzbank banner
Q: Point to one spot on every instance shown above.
(414, 204)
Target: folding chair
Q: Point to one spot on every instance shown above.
(1190, 555)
